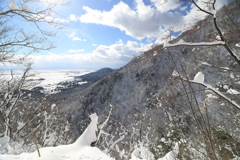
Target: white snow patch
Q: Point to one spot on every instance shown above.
(12, 5)
(80, 83)
(155, 53)
(20, 125)
(225, 68)
(3, 143)
(172, 155)
(80, 149)
(233, 91)
(53, 105)
(211, 96)
(199, 78)
(142, 153)
(26, 8)
(205, 63)
(225, 87)
(181, 41)
(175, 73)
(214, 13)
(218, 37)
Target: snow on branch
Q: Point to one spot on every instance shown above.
(208, 86)
(101, 131)
(12, 5)
(214, 12)
(183, 43)
(89, 135)
(26, 8)
(199, 79)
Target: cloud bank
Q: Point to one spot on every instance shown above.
(113, 56)
(144, 21)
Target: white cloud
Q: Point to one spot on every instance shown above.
(94, 45)
(165, 5)
(50, 19)
(61, 20)
(114, 56)
(78, 39)
(72, 35)
(144, 21)
(75, 50)
(119, 41)
(132, 44)
(73, 17)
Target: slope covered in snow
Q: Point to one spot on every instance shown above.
(80, 149)
(148, 89)
(153, 93)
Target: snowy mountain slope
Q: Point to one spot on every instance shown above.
(141, 91)
(147, 94)
(95, 76)
(51, 126)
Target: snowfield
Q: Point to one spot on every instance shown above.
(49, 79)
(56, 76)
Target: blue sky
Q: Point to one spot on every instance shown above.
(108, 33)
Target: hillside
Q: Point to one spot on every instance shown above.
(151, 97)
(142, 91)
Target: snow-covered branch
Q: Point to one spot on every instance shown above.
(183, 43)
(101, 131)
(223, 40)
(199, 79)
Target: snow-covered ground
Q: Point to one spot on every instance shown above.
(49, 79)
(56, 76)
(79, 150)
